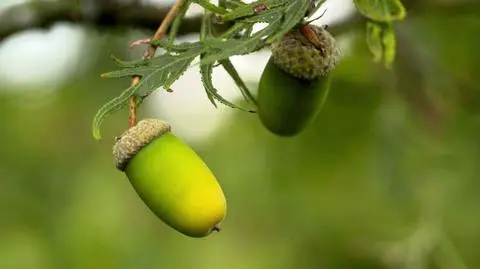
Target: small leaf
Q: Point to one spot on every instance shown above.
(210, 7)
(129, 64)
(162, 71)
(374, 40)
(264, 17)
(381, 42)
(317, 4)
(381, 10)
(242, 46)
(179, 69)
(169, 46)
(111, 107)
(206, 75)
(249, 9)
(389, 45)
(206, 71)
(294, 14)
(230, 68)
(177, 22)
(232, 4)
(233, 31)
(163, 63)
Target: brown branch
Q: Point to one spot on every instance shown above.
(132, 112)
(106, 15)
(150, 52)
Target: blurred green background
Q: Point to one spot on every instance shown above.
(387, 177)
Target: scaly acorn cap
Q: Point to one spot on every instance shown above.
(299, 57)
(135, 138)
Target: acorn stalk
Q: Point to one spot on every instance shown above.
(170, 178)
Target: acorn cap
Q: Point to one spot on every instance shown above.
(135, 138)
(299, 57)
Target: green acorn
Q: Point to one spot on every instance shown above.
(170, 178)
(296, 79)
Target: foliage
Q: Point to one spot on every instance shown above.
(280, 16)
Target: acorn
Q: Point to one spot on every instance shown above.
(170, 178)
(296, 80)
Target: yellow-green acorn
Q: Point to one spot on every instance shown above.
(171, 179)
(296, 79)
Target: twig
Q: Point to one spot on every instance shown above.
(150, 52)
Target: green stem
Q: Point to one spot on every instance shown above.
(205, 27)
(234, 30)
(235, 3)
(317, 7)
(211, 7)
(223, 3)
(230, 68)
(174, 28)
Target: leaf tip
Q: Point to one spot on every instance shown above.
(96, 134)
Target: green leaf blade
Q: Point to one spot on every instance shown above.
(381, 10)
(231, 47)
(206, 71)
(109, 108)
(212, 93)
(294, 14)
(249, 9)
(232, 71)
(389, 42)
(374, 40)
